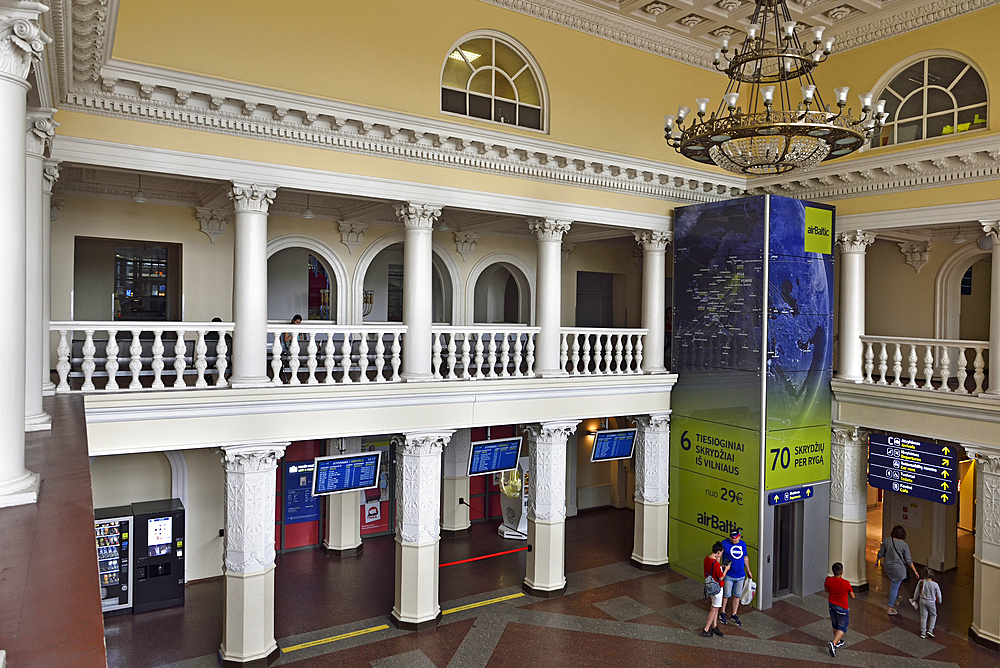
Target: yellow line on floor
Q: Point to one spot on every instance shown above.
(343, 636)
(481, 603)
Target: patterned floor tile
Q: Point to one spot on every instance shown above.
(686, 589)
(823, 630)
(762, 626)
(623, 608)
(687, 615)
(912, 644)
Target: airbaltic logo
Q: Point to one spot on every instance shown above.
(716, 523)
(818, 230)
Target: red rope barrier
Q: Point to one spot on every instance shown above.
(485, 556)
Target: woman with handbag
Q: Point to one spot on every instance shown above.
(714, 573)
(894, 554)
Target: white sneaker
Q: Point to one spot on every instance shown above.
(832, 648)
(930, 633)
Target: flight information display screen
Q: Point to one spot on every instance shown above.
(494, 456)
(613, 444)
(346, 473)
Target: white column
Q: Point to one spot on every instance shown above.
(654, 278)
(248, 557)
(852, 303)
(545, 574)
(417, 280)
(849, 502)
(418, 523)
(652, 490)
(251, 202)
(992, 229)
(548, 294)
(455, 519)
(21, 44)
(985, 611)
(50, 175)
(41, 129)
(343, 513)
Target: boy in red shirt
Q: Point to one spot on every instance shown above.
(839, 589)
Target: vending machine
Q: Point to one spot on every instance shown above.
(158, 544)
(114, 558)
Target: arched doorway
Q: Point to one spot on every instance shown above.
(299, 282)
(500, 291)
(382, 286)
(949, 302)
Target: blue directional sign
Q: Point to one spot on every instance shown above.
(346, 473)
(613, 444)
(494, 456)
(921, 469)
(789, 496)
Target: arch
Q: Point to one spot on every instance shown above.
(948, 289)
(524, 276)
(458, 70)
(329, 258)
(441, 258)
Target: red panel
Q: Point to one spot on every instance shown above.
(277, 508)
(476, 505)
(380, 525)
(495, 509)
(277, 537)
(504, 431)
(478, 434)
(476, 484)
(302, 451)
(301, 534)
(492, 486)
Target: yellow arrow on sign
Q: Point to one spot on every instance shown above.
(944, 462)
(944, 486)
(944, 497)
(945, 474)
(945, 450)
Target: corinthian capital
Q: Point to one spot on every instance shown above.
(652, 240)
(417, 215)
(21, 39)
(992, 229)
(41, 130)
(855, 242)
(50, 174)
(549, 229)
(252, 197)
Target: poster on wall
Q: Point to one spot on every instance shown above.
(376, 502)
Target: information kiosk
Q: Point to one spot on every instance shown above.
(158, 539)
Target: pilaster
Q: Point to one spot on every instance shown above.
(849, 502)
(545, 574)
(652, 490)
(654, 273)
(985, 628)
(418, 220)
(852, 302)
(248, 557)
(50, 174)
(548, 294)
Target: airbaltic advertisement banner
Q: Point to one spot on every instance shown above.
(727, 395)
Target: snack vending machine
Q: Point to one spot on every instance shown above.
(114, 557)
(159, 554)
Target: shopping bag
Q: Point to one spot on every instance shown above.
(749, 590)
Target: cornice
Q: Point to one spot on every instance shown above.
(906, 20)
(927, 216)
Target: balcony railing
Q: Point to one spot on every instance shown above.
(483, 352)
(941, 365)
(604, 352)
(329, 353)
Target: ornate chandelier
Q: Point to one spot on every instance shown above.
(772, 137)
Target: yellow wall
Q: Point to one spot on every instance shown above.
(913, 199)
(898, 300)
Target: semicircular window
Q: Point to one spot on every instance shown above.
(487, 78)
(933, 97)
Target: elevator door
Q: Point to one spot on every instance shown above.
(785, 547)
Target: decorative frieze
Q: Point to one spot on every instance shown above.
(352, 235)
(213, 221)
(249, 490)
(252, 197)
(89, 29)
(21, 38)
(652, 458)
(418, 486)
(465, 243)
(855, 242)
(916, 252)
(549, 229)
(547, 452)
(420, 216)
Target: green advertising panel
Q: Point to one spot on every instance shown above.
(720, 451)
(714, 505)
(689, 545)
(797, 457)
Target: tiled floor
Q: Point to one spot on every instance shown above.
(612, 614)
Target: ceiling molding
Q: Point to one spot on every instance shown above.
(928, 216)
(912, 18)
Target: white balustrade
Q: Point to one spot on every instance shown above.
(928, 363)
(334, 354)
(592, 351)
(94, 351)
(483, 351)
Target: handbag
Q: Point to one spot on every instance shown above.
(907, 578)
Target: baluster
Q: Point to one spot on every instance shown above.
(221, 363)
(912, 366)
(363, 357)
(585, 354)
(505, 355)
(928, 369)
(135, 360)
(945, 370)
(276, 359)
(883, 356)
(479, 355)
(869, 364)
(396, 336)
(62, 365)
(345, 358)
(180, 363)
(978, 374)
(452, 358)
(379, 357)
(618, 354)
(436, 354)
(200, 361)
(597, 356)
(293, 359)
(638, 354)
(158, 359)
(530, 356)
(628, 355)
(575, 359)
(111, 365)
(491, 357)
(897, 365)
(329, 352)
(563, 350)
(962, 371)
(466, 357)
(311, 359)
(88, 361)
(608, 346)
(518, 357)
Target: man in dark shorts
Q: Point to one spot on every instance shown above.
(838, 590)
(735, 550)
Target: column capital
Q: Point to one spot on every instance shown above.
(418, 485)
(417, 215)
(549, 229)
(252, 197)
(654, 421)
(987, 461)
(253, 457)
(653, 240)
(50, 174)
(21, 38)
(848, 435)
(855, 242)
(551, 431)
(40, 131)
(991, 227)
(424, 442)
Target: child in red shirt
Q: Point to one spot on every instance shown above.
(838, 589)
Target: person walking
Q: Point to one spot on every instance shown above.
(894, 554)
(925, 598)
(736, 551)
(838, 589)
(714, 569)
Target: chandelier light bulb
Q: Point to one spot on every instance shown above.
(818, 34)
(866, 100)
(817, 56)
(725, 43)
(753, 30)
(828, 46)
(731, 99)
(789, 28)
(668, 122)
(682, 113)
(880, 107)
(675, 134)
(788, 66)
(702, 103)
(841, 93)
(767, 92)
(882, 117)
(718, 58)
(807, 94)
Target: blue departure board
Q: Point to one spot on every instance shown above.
(613, 444)
(346, 473)
(494, 456)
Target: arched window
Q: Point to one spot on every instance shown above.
(930, 97)
(490, 77)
